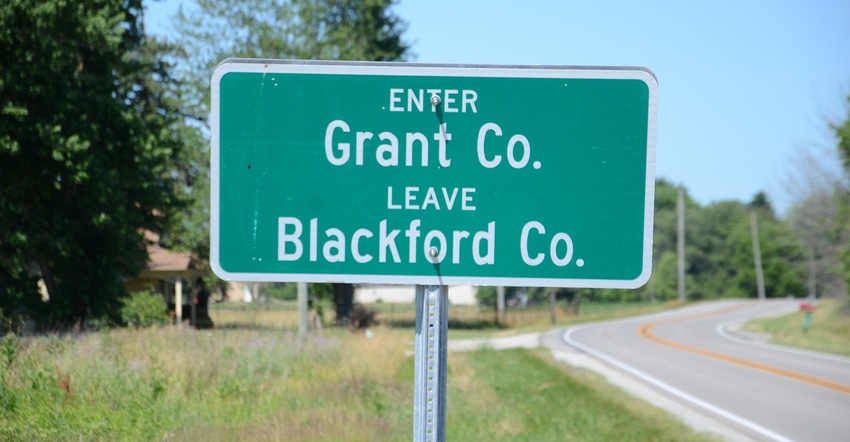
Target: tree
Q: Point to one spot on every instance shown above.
(816, 186)
(815, 221)
(89, 154)
(783, 260)
(842, 133)
(719, 254)
(719, 259)
(364, 30)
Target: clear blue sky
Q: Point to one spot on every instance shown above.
(742, 84)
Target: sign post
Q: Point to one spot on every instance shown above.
(429, 379)
(432, 175)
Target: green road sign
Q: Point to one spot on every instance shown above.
(432, 174)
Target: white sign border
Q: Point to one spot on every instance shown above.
(441, 70)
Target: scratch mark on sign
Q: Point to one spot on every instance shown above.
(256, 215)
(254, 117)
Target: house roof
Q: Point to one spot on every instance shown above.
(162, 260)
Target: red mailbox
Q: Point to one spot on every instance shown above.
(807, 307)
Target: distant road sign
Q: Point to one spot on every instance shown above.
(432, 174)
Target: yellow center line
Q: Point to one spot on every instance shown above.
(645, 331)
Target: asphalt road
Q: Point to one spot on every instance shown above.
(690, 355)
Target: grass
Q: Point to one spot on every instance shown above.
(540, 320)
(221, 385)
(255, 319)
(465, 322)
(829, 331)
(179, 384)
(522, 395)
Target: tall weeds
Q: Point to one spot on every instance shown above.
(172, 383)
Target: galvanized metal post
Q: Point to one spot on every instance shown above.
(429, 390)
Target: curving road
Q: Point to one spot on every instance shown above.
(763, 392)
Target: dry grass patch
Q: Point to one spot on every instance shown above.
(255, 318)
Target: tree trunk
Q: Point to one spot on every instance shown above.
(343, 300)
(47, 276)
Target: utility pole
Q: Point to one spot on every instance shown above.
(680, 241)
(500, 304)
(757, 255)
(302, 309)
(813, 276)
(552, 314)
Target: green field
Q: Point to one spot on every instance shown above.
(829, 331)
(236, 384)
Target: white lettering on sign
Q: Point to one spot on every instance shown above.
(355, 245)
(410, 197)
(494, 160)
(284, 239)
(558, 238)
(386, 242)
(344, 148)
(442, 138)
(338, 146)
(431, 200)
(336, 247)
(416, 99)
(469, 97)
(490, 237)
(449, 100)
(394, 98)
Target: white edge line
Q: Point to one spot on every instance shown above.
(670, 389)
(721, 330)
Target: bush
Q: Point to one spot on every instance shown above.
(486, 296)
(281, 290)
(362, 317)
(143, 309)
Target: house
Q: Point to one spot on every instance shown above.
(176, 276)
(365, 294)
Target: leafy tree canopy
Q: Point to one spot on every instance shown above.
(89, 153)
(842, 222)
(718, 252)
(362, 30)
